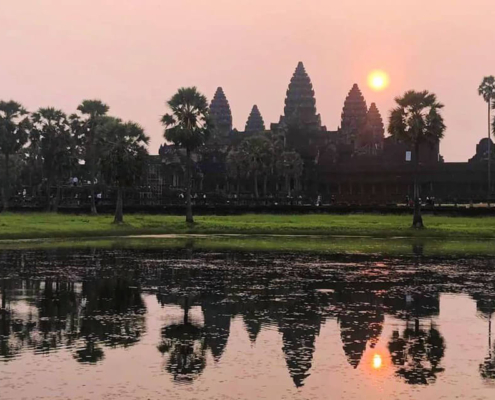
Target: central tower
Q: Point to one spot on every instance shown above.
(354, 116)
(300, 102)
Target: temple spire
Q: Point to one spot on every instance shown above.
(300, 103)
(255, 121)
(354, 115)
(375, 123)
(220, 113)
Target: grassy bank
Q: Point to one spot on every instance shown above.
(43, 225)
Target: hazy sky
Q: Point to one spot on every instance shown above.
(133, 54)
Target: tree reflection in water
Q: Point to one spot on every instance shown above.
(186, 345)
(417, 353)
(485, 304)
(107, 312)
(112, 313)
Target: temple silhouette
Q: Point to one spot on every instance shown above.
(354, 163)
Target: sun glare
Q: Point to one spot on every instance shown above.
(378, 80)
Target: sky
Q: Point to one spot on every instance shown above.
(134, 54)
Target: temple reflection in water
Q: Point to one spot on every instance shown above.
(94, 302)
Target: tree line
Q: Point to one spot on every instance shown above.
(263, 157)
(49, 146)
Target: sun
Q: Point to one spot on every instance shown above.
(378, 80)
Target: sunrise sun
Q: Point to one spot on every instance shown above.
(378, 80)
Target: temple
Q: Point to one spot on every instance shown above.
(353, 164)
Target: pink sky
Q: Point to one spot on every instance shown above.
(133, 54)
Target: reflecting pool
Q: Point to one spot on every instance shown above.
(183, 323)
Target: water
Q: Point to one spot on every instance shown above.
(191, 324)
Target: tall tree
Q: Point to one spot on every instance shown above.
(256, 150)
(275, 148)
(14, 127)
(417, 120)
(236, 166)
(94, 111)
(487, 91)
(33, 164)
(188, 126)
(290, 166)
(51, 133)
(124, 151)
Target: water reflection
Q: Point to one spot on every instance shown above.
(47, 315)
(417, 353)
(186, 345)
(91, 302)
(361, 318)
(485, 304)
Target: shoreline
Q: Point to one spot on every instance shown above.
(336, 245)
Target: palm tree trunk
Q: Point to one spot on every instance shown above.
(4, 295)
(490, 334)
(6, 188)
(287, 185)
(186, 310)
(119, 209)
(417, 218)
(48, 191)
(57, 198)
(256, 193)
(189, 214)
(265, 182)
(92, 190)
(489, 155)
(92, 166)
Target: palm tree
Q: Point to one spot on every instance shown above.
(188, 127)
(487, 91)
(94, 110)
(236, 166)
(417, 121)
(256, 150)
(290, 166)
(124, 155)
(14, 126)
(51, 134)
(275, 148)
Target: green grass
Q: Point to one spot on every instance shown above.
(44, 225)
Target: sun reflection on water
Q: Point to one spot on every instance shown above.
(377, 361)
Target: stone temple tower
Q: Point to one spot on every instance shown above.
(375, 126)
(300, 103)
(370, 139)
(255, 121)
(220, 113)
(354, 116)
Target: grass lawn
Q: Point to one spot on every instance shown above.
(44, 225)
